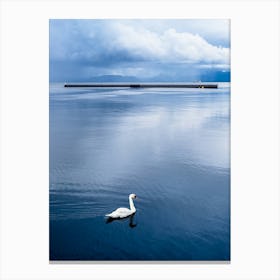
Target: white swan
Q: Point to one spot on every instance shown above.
(124, 212)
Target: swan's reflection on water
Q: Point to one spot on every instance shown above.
(132, 224)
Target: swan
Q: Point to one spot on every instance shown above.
(124, 212)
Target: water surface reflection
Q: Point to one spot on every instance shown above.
(131, 223)
(171, 147)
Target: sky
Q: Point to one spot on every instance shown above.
(150, 50)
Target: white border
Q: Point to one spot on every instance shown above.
(255, 138)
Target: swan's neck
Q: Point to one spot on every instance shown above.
(131, 204)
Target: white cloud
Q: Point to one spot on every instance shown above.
(138, 42)
(165, 49)
(171, 46)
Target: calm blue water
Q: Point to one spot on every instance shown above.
(169, 146)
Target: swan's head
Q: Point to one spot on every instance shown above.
(133, 196)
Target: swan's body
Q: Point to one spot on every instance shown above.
(124, 212)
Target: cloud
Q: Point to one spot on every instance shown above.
(138, 47)
(118, 42)
(170, 46)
